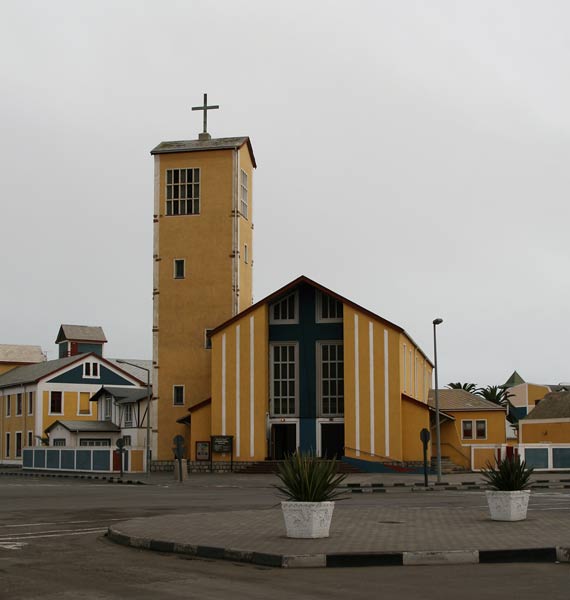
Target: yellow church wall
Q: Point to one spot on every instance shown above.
(368, 434)
(200, 427)
(554, 431)
(246, 236)
(231, 385)
(415, 370)
(415, 417)
(204, 297)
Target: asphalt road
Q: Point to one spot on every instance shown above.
(52, 545)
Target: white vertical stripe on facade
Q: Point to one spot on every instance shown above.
(371, 352)
(238, 407)
(386, 397)
(356, 389)
(223, 384)
(251, 389)
(405, 374)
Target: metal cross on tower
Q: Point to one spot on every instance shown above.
(205, 108)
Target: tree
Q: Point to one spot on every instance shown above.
(496, 394)
(468, 387)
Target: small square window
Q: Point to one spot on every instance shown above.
(178, 395)
(179, 268)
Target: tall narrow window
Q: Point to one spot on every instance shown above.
(332, 378)
(8, 405)
(182, 192)
(179, 268)
(30, 438)
(56, 403)
(107, 408)
(19, 408)
(30, 403)
(243, 187)
(128, 415)
(18, 444)
(7, 454)
(178, 395)
(245, 254)
(207, 339)
(284, 379)
(481, 429)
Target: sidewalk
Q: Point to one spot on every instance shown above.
(360, 536)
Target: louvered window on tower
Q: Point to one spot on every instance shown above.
(182, 192)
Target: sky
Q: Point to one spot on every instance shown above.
(412, 156)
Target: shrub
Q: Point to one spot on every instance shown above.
(508, 475)
(306, 478)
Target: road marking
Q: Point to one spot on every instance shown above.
(64, 522)
(35, 537)
(12, 545)
(32, 533)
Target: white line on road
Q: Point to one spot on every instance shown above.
(35, 537)
(33, 533)
(12, 545)
(64, 522)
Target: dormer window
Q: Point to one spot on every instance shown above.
(285, 311)
(91, 370)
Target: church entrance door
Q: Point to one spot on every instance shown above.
(283, 440)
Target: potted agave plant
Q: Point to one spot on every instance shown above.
(310, 486)
(509, 481)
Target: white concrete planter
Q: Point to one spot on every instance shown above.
(508, 506)
(307, 519)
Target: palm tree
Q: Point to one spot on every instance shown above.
(496, 394)
(468, 387)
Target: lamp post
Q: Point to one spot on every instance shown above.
(126, 362)
(437, 322)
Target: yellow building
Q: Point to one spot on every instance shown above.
(473, 430)
(307, 368)
(203, 258)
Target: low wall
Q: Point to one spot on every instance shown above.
(95, 459)
(200, 466)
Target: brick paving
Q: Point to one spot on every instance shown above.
(358, 529)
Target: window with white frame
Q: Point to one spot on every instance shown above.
(30, 403)
(107, 408)
(8, 405)
(30, 438)
(59, 442)
(179, 268)
(331, 378)
(56, 403)
(284, 379)
(128, 414)
(127, 440)
(285, 310)
(18, 444)
(19, 407)
(329, 309)
(94, 442)
(178, 395)
(243, 194)
(91, 370)
(182, 192)
(474, 429)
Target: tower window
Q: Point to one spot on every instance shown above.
(243, 187)
(245, 254)
(207, 339)
(179, 268)
(178, 395)
(182, 192)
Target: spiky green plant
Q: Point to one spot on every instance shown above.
(306, 478)
(508, 475)
(468, 387)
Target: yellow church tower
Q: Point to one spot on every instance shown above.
(203, 259)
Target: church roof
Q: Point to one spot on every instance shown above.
(555, 405)
(456, 399)
(80, 333)
(514, 379)
(303, 279)
(18, 353)
(231, 143)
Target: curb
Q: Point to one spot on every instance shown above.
(381, 488)
(349, 559)
(109, 479)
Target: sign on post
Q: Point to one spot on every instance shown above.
(222, 444)
(425, 437)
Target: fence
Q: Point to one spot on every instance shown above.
(100, 460)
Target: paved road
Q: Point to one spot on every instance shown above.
(52, 546)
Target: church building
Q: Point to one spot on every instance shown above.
(303, 368)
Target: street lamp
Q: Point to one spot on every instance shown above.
(126, 362)
(437, 322)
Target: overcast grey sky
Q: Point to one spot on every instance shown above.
(412, 156)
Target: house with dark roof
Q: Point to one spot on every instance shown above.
(472, 428)
(34, 397)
